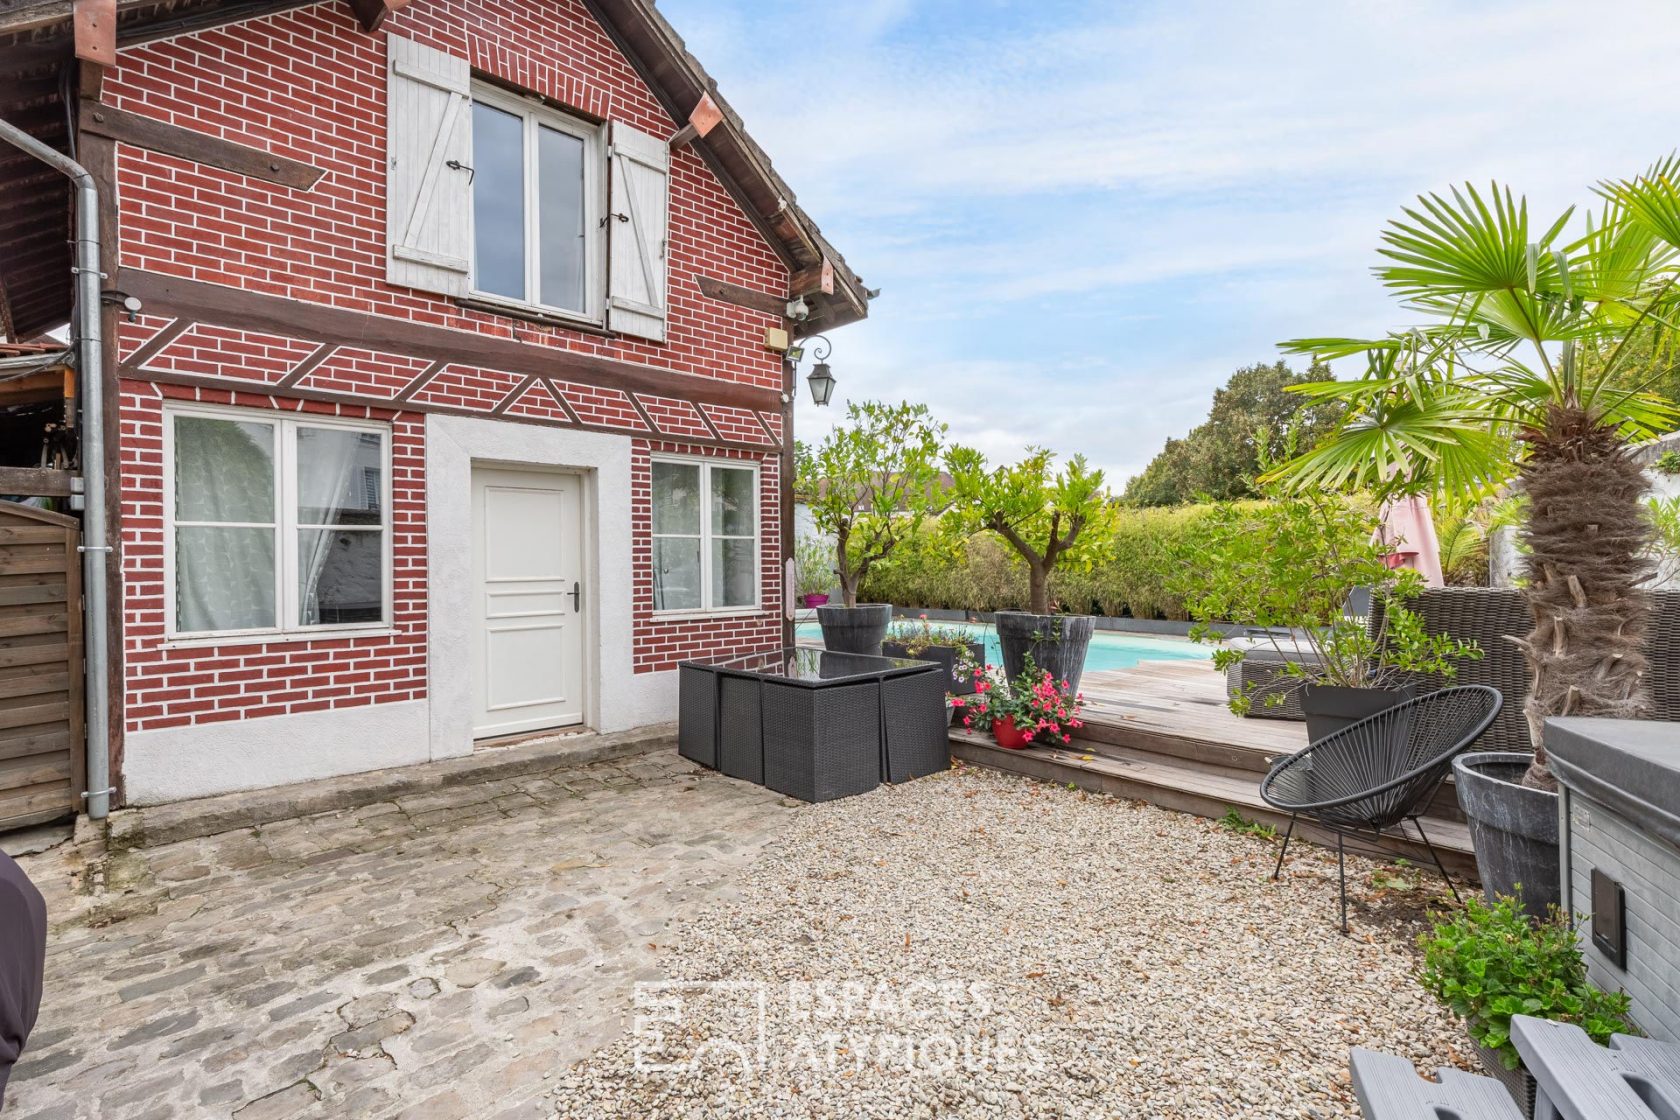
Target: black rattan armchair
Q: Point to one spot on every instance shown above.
(1380, 771)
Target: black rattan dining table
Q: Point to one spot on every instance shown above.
(811, 723)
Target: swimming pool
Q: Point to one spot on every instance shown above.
(1107, 650)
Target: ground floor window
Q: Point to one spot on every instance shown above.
(275, 524)
(705, 535)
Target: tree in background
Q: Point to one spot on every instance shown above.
(1247, 426)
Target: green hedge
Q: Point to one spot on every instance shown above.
(984, 575)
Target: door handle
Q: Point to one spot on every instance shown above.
(577, 597)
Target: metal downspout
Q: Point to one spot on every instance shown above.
(90, 355)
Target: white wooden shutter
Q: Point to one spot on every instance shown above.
(637, 221)
(428, 202)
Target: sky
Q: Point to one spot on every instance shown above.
(1083, 216)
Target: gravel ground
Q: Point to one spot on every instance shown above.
(977, 945)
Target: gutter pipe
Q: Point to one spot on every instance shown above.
(90, 359)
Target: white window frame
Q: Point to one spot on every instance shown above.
(535, 115)
(286, 524)
(706, 609)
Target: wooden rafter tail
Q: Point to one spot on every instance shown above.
(702, 119)
(94, 30)
(371, 14)
(815, 280)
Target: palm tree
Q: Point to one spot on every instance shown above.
(1524, 372)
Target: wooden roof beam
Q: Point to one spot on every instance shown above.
(372, 13)
(701, 120)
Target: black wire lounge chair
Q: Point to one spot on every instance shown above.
(1380, 771)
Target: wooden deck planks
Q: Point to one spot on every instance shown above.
(1161, 732)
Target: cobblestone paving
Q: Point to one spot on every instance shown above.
(444, 955)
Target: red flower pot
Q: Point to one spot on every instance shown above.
(816, 599)
(1008, 735)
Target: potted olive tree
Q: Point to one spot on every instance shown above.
(1285, 570)
(1050, 518)
(870, 483)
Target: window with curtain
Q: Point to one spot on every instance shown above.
(537, 209)
(705, 536)
(276, 524)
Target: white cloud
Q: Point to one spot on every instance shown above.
(1084, 216)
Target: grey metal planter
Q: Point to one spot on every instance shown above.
(1056, 642)
(858, 629)
(1514, 828)
(945, 656)
(1328, 708)
(1518, 1082)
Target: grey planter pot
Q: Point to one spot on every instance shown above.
(945, 656)
(1056, 642)
(1518, 1082)
(1328, 708)
(856, 629)
(1514, 828)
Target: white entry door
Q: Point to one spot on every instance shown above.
(530, 599)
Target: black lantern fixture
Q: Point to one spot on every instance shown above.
(821, 378)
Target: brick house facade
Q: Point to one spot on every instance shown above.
(392, 479)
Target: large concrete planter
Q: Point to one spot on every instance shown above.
(1056, 642)
(858, 629)
(1328, 708)
(1514, 828)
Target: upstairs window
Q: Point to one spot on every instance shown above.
(498, 199)
(536, 204)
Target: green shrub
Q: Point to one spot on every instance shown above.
(981, 574)
(1488, 963)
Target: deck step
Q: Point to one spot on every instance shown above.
(1123, 740)
(1189, 785)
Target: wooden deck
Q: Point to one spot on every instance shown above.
(1161, 733)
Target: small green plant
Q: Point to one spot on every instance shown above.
(815, 561)
(921, 635)
(1668, 463)
(1488, 963)
(1242, 826)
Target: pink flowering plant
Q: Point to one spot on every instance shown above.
(1037, 703)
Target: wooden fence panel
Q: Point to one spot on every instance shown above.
(41, 763)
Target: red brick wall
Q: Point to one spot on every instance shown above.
(172, 685)
(309, 85)
(662, 644)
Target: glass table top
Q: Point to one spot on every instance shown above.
(808, 665)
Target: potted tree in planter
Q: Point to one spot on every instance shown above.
(1285, 569)
(1533, 373)
(1049, 518)
(1489, 962)
(871, 482)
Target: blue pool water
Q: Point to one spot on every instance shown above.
(1107, 650)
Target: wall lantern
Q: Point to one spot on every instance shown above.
(821, 378)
